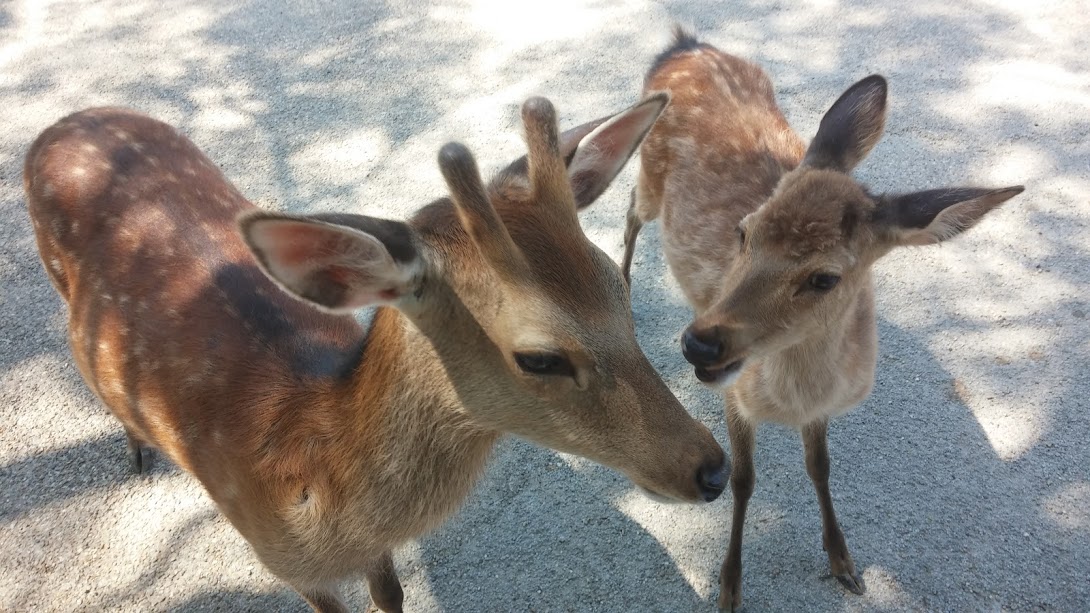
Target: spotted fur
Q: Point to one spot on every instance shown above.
(754, 221)
(327, 445)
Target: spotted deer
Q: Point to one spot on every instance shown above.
(772, 242)
(220, 334)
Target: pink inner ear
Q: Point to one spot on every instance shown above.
(338, 274)
(295, 244)
(610, 145)
(613, 146)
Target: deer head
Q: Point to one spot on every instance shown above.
(529, 322)
(804, 254)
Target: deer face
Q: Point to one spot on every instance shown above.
(801, 260)
(805, 253)
(530, 320)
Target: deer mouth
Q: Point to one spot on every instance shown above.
(657, 497)
(719, 376)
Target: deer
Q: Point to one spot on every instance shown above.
(222, 336)
(772, 242)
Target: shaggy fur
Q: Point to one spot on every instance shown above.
(754, 222)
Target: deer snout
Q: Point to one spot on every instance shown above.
(706, 350)
(711, 479)
(702, 347)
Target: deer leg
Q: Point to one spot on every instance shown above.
(632, 227)
(742, 482)
(384, 586)
(139, 460)
(817, 465)
(324, 600)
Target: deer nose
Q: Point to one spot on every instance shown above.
(701, 349)
(711, 479)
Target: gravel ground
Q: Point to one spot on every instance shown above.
(962, 483)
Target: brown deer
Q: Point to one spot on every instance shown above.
(219, 334)
(772, 243)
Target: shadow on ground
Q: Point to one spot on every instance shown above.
(958, 482)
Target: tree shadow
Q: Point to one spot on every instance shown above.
(58, 475)
(239, 600)
(927, 493)
(547, 527)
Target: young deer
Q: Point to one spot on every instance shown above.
(325, 445)
(772, 243)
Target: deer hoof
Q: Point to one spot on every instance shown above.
(853, 582)
(139, 459)
(730, 599)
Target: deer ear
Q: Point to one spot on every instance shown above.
(932, 216)
(851, 127)
(336, 262)
(602, 152)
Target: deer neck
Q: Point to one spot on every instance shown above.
(427, 412)
(824, 375)
(410, 451)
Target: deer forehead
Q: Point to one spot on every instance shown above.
(535, 319)
(812, 212)
(566, 268)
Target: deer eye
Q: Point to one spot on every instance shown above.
(741, 238)
(544, 363)
(823, 282)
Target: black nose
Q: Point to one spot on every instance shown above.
(711, 479)
(701, 349)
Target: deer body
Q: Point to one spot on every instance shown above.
(772, 242)
(217, 333)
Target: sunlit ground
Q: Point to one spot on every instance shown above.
(963, 483)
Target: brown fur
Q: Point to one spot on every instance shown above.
(324, 444)
(723, 162)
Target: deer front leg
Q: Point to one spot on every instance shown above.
(632, 227)
(742, 482)
(817, 465)
(384, 585)
(324, 600)
(138, 455)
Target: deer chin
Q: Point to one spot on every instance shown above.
(720, 377)
(657, 497)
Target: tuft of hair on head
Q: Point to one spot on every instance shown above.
(683, 41)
